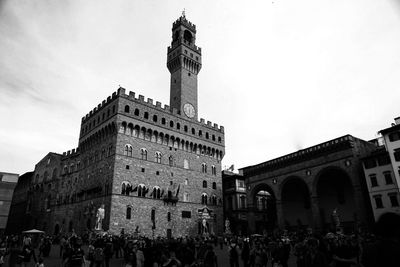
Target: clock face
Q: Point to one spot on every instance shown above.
(189, 110)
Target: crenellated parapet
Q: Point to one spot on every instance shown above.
(140, 99)
(71, 153)
(183, 21)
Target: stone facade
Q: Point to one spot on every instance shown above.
(152, 166)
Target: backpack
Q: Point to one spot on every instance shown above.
(233, 254)
(98, 254)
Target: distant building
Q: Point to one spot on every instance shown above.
(235, 201)
(8, 181)
(382, 171)
(19, 217)
(382, 185)
(303, 189)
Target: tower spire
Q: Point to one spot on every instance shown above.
(183, 13)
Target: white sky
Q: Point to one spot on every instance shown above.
(279, 75)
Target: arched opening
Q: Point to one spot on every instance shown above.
(296, 204)
(187, 36)
(264, 203)
(335, 199)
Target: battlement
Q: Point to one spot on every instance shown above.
(183, 21)
(71, 153)
(121, 92)
(192, 46)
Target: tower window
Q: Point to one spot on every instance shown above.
(146, 115)
(214, 185)
(127, 109)
(136, 112)
(169, 216)
(188, 73)
(191, 55)
(185, 128)
(155, 118)
(204, 184)
(200, 133)
(163, 121)
(171, 124)
(204, 168)
(178, 126)
(207, 136)
(193, 131)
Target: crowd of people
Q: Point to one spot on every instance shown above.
(309, 249)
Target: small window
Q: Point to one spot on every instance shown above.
(200, 133)
(127, 167)
(146, 115)
(204, 184)
(171, 124)
(157, 172)
(163, 121)
(219, 139)
(155, 118)
(213, 137)
(369, 163)
(137, 113)
(178, 126)
(169, 216)
(128, 213)
(186, 214)
(127, 109)
(374, 181)
(394, 136)
(388, 177)
(396, 155)
(171, 161)
(185, 128)
(378, 202)
(153, 215)
(207, 136)
(193, 131)
(143, 169)
(214, 185)
(394, 200)
(113, 110)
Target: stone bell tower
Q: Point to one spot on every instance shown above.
(184, 64)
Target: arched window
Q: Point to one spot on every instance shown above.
(185, 197)
(146, 115)
(185, 128)
(214, 200)
(123, 189)
(200, 133)
(178, 126)
(207, 136)
(204, 184)
(155, 118)
(185, 164)
(163, 121)
(128, 213)
(143, 153)
(142, 190)
(156, 192)
(193, 131)
(171, 124)
(213, 170)
(127, 109)
(158, 157)
(204, 198)
(204, 168)
(128, 151)
(137, 113)
(171, 161)
(213, 137)
(214, 185)
(219, 139)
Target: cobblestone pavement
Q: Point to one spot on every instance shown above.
(54, 260)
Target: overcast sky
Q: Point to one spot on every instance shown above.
(279, 75)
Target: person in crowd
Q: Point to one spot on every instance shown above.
(233, 251)
(385, 251)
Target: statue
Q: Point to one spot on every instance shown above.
(99, 218)
(227, 226)
(205, 230)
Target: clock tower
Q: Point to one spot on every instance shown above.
(184, 64)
